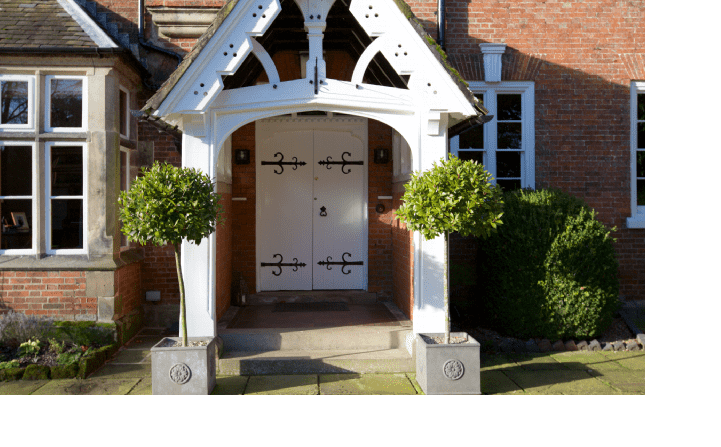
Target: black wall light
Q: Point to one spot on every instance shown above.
(381, 156)
(242, 156)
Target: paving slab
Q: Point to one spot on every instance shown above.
(132, 356)
(87, 387)
(143, 341)
(20, 387)
(123, 371)
(143, 388)
(288, 384)
(414, 382)
(230, 385)
(629, 360)
(496, 361)
(558, 382)
(496, 382)
(536, 362)
(627, 382)
(366, 384)
(583, 360)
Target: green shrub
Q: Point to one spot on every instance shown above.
(11, 374)
(85, 333)
(36, 372)
(551, 271)
(64, 371)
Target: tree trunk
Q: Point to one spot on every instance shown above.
(446, 298)
(183, 322)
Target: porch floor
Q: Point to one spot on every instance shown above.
(370, 336)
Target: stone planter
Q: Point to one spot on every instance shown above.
(189, 370)
(448, 369)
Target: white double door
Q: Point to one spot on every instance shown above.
(311, 204)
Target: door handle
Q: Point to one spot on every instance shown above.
(323, 211)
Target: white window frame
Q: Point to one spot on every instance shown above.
(34, 222)
(490, 131)
(30, 79)
(48, 198)
(125, 151)
(127, 112)
(638, 213)
(48, 100)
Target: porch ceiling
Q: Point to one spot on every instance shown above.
(343, 33)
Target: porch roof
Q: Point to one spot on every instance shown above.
(157, 99)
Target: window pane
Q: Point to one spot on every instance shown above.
(509, 185)
(67, 223)
(509, 136)
(66, 103)
(13, 102)
(641, 110)
(641, 164)
(471, 139)
(641, 192)
(16, 224)
(123, 110)
(66, 171)
(509, 107)
(16, 171)
(471, 155)
(641, 132)
(508, 164)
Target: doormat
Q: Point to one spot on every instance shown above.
(323, 306)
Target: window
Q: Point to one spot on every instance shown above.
(17, 191)
(16, 99)
(66, 103)
(66, 204)
(124, 112)
(124, 184)
(638, 156)
(505, 145)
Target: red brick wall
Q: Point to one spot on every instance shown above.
(380, 250)
(59, 295)
(223, 242)
(582, 57)
(243, 212)
(127, 288)
(402, 242)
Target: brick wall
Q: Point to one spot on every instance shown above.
(402, 242)
(223, 242)
(380, 250)
(243, 212)
(582, 57)
(127, 289)
(59, 295)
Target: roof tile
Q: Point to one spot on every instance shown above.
(43, 24)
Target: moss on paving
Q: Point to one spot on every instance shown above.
(497, 382)
(88, 387)
(230, 385)
(21, 387)
(558, 382)
(132, 356)
(365, 384)
(124, 371)
(289, 384)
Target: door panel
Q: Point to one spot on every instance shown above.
(285, 195)
(290, 228)
(338, 236)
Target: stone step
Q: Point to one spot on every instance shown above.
(310, 296)
(315, 362)
(337, 338)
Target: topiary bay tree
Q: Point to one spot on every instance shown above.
(453, 196)
(165, 205)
